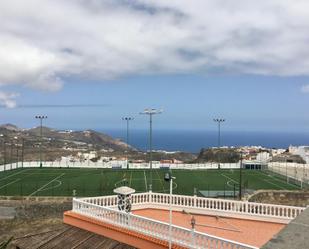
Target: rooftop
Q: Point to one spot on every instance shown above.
(219, 223)
(250, 232)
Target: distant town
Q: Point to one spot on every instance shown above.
(68, 146)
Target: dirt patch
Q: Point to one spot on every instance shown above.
(290, 198)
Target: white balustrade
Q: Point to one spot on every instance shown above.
(230, 206)
(180, 236)
(250, 208)
(103, 208)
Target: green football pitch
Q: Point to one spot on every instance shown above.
(96, 182)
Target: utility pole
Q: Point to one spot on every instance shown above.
(41, 117)
(127, 119)
(150, 112)
(219, 121)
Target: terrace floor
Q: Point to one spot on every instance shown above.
(255, 233)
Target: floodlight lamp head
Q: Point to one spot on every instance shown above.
(41, 116)
(127, 118)
(219, 120)
(151, 111)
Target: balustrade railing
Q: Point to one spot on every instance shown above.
(243, 207)
(237, 207)
(180, 236)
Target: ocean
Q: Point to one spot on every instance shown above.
(193, 141)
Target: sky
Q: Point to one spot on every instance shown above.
(87, 64)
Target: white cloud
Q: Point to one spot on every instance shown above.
(8, 99)
(305, 89)
(43, 41)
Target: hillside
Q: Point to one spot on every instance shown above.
(222, 155)
(56, 143)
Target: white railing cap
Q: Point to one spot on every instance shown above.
(124, 190)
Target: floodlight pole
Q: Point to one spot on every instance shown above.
(127, 119)
(150, 112)
(219, 121)
(22, 152)
(240, 177)
(41, 117)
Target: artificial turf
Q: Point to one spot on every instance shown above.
(96, 182)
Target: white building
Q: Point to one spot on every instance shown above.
(302, 151)
(87, 156)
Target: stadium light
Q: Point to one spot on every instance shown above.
(150, 112)
(127, 119)
(41, 117)
(169, 178)
(219, 121)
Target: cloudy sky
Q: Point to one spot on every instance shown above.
(245, 60)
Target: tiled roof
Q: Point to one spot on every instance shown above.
(66, 238)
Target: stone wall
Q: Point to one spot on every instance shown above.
(281, 197)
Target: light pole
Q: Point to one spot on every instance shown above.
(127, 119)
(41, 117)
(240, 177)
(150, 112)
(169, 178)
(219, 121)
(22, 151)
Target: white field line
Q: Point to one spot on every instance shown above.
(229, 184)
(274, 184)
(161, 182)
(145, 180)
(53, 187)
(22, 171)
(10, 183)
(278, 179)
(228, 178)
(175, 185)
(46, 184)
